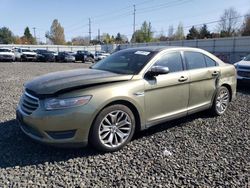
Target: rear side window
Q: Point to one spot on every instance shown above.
(171, 60)
(195, 60)
(210, 62)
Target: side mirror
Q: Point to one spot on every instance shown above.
(157, 70)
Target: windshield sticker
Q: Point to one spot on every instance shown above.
(142, 53)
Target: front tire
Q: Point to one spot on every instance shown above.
(221, 101)
(113, 128)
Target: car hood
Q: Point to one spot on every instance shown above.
(7, 53)
(64, 81)
(243, 63)
(29, 53)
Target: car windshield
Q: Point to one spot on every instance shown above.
(125, 62)
(5, 50)
(42, 51)
(247, 58)
(26, 50)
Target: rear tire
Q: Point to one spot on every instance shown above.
(221, 101)
(113, 128)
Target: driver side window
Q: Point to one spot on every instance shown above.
(171, 60)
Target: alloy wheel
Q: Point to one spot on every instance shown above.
(115, 128)
(222, 101)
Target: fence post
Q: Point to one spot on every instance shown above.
(213, 46)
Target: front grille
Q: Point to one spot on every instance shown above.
(28, 55)
(29, 103)
(8, 56)
(243, 74)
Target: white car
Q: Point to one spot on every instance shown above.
(6, 55)
(243, 68)
(99, 55)
(23, 54)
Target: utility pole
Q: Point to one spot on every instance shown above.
(99, 37)
(34, 29)
(134, 19)
(89, 30)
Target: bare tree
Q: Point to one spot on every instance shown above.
(246, 26)
(56, 34)
(170, 31)
(229, 23)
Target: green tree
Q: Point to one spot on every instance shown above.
(6, 36)
(193, 34)
(56, 33)
(27, 37)
(137, 36)
(118, 38)
(145, 34)
(245, 31)
(204, 33)
(179, 34)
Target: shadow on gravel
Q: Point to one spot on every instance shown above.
(174, 123)
(19, 150)
(16, 149)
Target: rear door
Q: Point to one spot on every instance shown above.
(166, 96)
(204, 76)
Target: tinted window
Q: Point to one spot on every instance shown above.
(195, 60)
(171, 60)
(210, 62)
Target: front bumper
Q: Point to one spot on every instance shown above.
(6, 58)
(68, 128)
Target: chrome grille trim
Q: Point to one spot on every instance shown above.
(29, 103)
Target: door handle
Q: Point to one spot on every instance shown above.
(182, 79)
(215, 73)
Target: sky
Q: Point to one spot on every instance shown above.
(112, 16)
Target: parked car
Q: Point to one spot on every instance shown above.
(65, 57)
(23, 54)
(243, 69)
(130, 90)
(83, 56)
(99, 55)
(6, 55)
(45, 55)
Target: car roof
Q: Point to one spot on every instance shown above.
(161, 48)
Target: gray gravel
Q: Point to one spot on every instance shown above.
(196, 151)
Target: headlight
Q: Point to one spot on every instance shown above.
(56, 104)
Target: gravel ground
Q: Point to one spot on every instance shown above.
(196, 151)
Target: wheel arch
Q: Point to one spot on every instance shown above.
(128, 104)
(229, 89)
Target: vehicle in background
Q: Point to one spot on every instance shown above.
(99, 55)
(243, 68)
(83, 56)
(45, 56)
(55, 54)
(6, 54)
(23, 54)
(65, 57)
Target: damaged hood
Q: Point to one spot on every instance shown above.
(73, 79)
